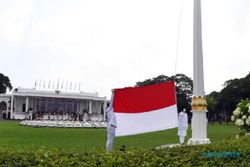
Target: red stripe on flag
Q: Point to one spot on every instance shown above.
(145, 98)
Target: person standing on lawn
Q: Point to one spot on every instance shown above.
(182, 125)
(111, 126)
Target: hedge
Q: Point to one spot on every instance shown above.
(215, 154)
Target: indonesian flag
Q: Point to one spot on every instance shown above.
(145, 109)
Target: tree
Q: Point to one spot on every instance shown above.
(222, 104)
(184, 88)
(184, 91)
(159, 79)
(4, 83)
(230, 96)
(213, 105)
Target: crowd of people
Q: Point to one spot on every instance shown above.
(64, 124)
(66, 120)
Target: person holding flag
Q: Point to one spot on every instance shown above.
(183, 125)
(111, 125)
(138, 110)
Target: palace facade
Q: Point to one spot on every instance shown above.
(51, 105)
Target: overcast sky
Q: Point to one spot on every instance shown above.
(105, 44)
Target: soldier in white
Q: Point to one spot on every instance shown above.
(30, 116)
(111, 125)
(182, 126)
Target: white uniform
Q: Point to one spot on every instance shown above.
(111, 126)
(183, 126)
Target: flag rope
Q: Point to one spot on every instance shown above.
(178, 38)
(177, 47)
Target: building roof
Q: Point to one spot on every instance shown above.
(5, 95)
(56, 94)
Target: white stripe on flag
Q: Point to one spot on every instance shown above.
(136, 123)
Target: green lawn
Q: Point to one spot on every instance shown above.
(14, 135)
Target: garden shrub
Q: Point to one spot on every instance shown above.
(177, 156)
(241, 116)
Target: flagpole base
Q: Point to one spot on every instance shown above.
(193, 141)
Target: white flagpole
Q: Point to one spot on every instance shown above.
(199, 104)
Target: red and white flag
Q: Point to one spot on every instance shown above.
(145, 109)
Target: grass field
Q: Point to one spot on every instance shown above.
(13, 135)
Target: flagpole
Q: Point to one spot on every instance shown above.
(199, 104)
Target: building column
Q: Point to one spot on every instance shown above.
(104, 110)
(78, 110)
(7, 105)
(27, 108)
(90, 106)
(11, 107)
(27, 104)
(99, 104)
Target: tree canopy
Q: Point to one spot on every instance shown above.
(184, 88)
(4, 83)
(222, 104)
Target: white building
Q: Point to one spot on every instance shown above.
(54, 105)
